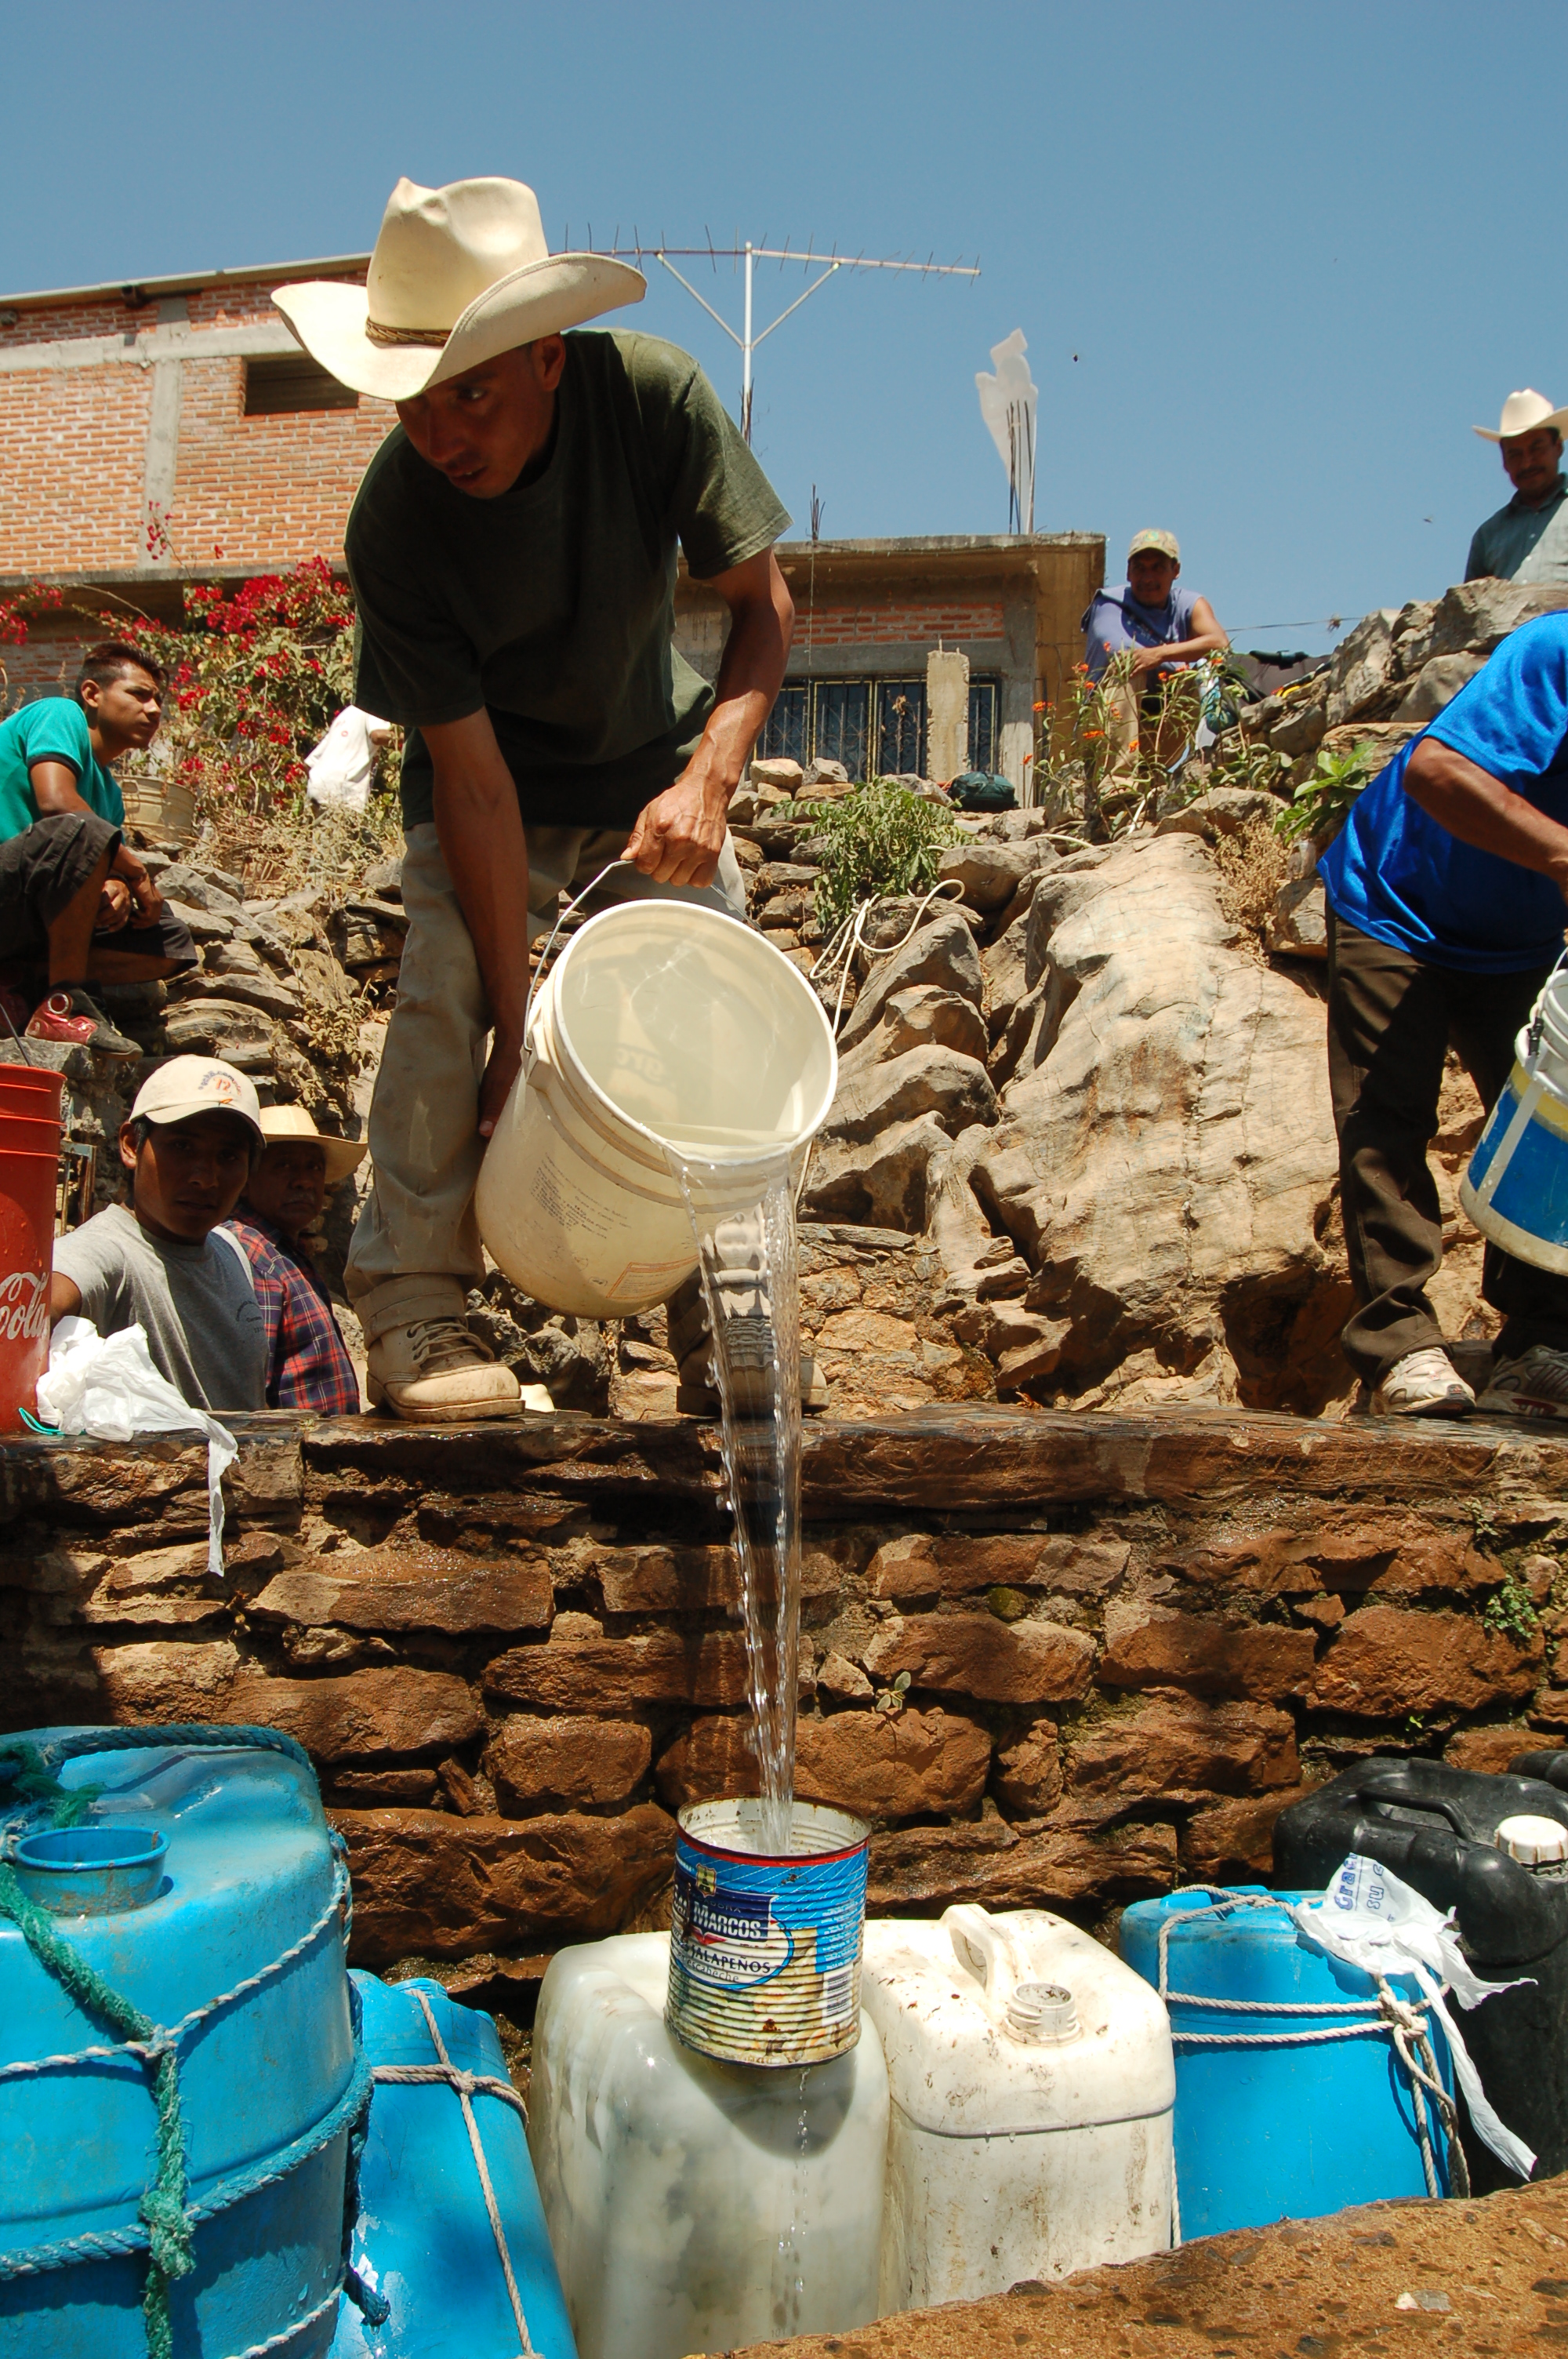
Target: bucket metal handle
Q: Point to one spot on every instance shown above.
(529, 1059)
(1537, 1024)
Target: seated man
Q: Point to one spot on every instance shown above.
(1446, 889)
(162, 1263)
(1528, 540)
(76, 905)
(1160, 628)
(308, 1361)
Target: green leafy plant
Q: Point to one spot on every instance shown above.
(1511, 1609)
(1321, 803)
(881, 839)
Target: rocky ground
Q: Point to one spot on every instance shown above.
(1484, 2277)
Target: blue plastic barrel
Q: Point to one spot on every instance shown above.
(235, 1949)
(1294, 2127)
(424, 2239)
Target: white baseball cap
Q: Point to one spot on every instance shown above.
(191, 1085)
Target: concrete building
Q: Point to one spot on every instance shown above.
(156, 434)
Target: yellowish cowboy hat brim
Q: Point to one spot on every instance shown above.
(291, 1126)
(330, 319)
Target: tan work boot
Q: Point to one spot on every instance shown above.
(422, 1364)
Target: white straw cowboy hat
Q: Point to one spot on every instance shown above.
(290, 1125)
(458, 275)
(1522, 413)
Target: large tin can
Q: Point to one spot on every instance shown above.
(765, 1952)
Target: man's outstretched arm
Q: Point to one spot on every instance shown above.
(481, 828)
(1480, 809)
(680, 834)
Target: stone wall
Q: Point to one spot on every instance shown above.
(1058, 1659)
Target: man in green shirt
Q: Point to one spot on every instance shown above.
(513, 552)
(77, 906)
(1528, 540)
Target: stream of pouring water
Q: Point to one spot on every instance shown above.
(751, 1282)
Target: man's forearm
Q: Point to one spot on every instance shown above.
(750, 677)
(1480, 811)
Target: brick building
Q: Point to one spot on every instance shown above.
(173, 431)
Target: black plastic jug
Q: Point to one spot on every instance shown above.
(1437, 1828)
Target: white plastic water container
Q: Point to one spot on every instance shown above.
(695, 2206)
(661, 1025)
(1032, 2084)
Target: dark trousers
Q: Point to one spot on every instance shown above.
(1391, 1020)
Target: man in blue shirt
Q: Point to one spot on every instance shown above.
(76, 904)
(1446, 892)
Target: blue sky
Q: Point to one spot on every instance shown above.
(1272, 262)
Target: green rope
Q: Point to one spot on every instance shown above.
(163, 2207)
(34, 1783)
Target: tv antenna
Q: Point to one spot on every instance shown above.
(750, 255)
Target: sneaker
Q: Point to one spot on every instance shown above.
(1424, 1384)
(1533, 1384)
(71, 1015)
(422, 1364)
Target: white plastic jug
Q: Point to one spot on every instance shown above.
(695, 2206)
(662, 1022)
(1033, 2086)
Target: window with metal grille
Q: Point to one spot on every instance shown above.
(846, 720)
(293, 381)
(901, 728)
(985, 696)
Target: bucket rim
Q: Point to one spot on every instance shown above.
(691, 913)
(845, 1849)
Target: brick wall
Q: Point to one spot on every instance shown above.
(515, 1651)
(265, 491)
(72, 456)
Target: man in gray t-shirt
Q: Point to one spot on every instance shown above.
(162, 1263)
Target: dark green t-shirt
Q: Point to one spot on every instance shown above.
(553, 606)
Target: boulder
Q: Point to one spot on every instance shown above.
(1475, 617)
(780, 772)
(1224, 810)
(1300, 729)
(878, 1764)
(991, 872)
(873, 1097)
(566, 1761)
(1166, 1156)
(880, 1182)
(923, 1016)
(1436, 684)
(398, 1709)
(1361, 665)
(977, 1655)
(1002, 966)
(1298, 927)
(265, 992)
(1029, 1773)
(942, 952)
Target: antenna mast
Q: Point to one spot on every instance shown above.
(751, 255)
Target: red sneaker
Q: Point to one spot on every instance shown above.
(70, 1015)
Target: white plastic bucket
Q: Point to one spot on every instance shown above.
(1516, 1190)
(662, 1024)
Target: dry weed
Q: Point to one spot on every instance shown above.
(1252, 866)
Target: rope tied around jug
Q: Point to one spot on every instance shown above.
(468, 2085)
(1403, 2021)
(36, 1783)
(167, 2217)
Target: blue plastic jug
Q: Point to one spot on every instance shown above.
(424, 2239)
(1296, 2124)
(201, 1885)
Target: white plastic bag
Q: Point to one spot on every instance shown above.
(106, 1385)
(341, 766)
(1008, 405)
(1368, 1919)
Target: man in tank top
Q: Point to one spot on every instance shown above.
(513, 552)
(1160, 626)
(1446, 891)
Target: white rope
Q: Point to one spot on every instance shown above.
(465, 2084)
(1404, 2022)
(850, 937)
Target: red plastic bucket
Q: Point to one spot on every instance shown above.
(29, 1166)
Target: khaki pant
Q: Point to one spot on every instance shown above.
(424, 1145)
(1391, 1019)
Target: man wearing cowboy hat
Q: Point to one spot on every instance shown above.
(513, 552)
(307, 1361)
(1528, 540)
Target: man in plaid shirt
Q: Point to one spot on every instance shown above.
(307, 1363)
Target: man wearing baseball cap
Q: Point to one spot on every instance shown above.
(193, 1135)
(1159, 626)
(1528, 540)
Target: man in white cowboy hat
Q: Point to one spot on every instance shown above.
(1528, 540)
(513, 552)
(307, 1361)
